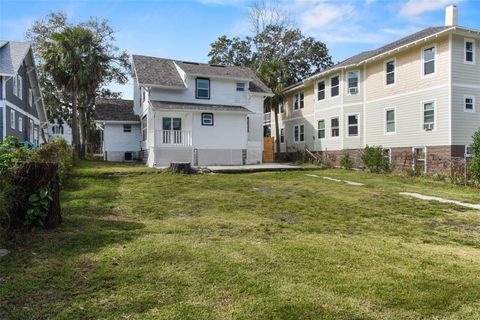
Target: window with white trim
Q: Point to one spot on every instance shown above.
(35, 134)
(20, 124)
(57, 129)
(420, 160)
(282, 135)
(352, 82)
(469, 51)
(30, 131)
(321, 129)
(207, 119)
(390, 72)
(202, 86)
(298, 101)
(428, 116)
(144, 128)
(299, 133)
(240, 86)
(390, 121)
(127, 128)
(335, 127)
(281, 105)
(334, 86)
(387, 154)
(429, 60)
(468, 151)
(12, 119)
(352, 125)
(469, 103)
(20, 87)
(321, 90)
(14, 85)
(30, 97)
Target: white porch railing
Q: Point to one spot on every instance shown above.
(173, 138)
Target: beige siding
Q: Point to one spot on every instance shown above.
(289, 144)
(329, 142)
(348, 141)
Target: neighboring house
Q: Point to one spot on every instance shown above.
(60, 129)
(22, 113)
(198, 113)
(120, 126)
(417, 97)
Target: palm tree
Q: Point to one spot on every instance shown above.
(273, 74)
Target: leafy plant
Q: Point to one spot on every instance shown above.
(375, 160)
(38, 202)
(11, 151)
(475, 163)
(346, 162)
(55, 151)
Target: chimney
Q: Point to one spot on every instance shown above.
(451, 16)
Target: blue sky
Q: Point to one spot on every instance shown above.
(184, 29)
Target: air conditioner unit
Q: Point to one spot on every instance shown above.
(353, 90)
(428, 126)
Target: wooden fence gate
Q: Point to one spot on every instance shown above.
(268, 153)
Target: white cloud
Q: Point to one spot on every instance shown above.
(416, 7)
(324, 14)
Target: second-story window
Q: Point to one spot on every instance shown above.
(298, 101)
(14, 85)
(20, 87)
(144, 128)
(281, 105)
(12, 119)
(428, 61)
(240, 86)
(469, 51)
(202, 88)
(390, 72)
(321, 90)
(30, 98)
(352, 77)
(282, 136)
(301, 100)
(334, 86)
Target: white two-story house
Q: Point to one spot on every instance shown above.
(188, 112)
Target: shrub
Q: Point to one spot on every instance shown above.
(346, 162)
(7, 200)
(374, 159)
(11, 151)
(475, 163)
(55, 151)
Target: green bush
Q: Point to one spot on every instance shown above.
(346, 162)
(374, 159)
(11, 151)
(475, 163)
(7, 200)
(55, 151)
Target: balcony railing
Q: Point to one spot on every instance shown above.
(267, 117)
(173, 138)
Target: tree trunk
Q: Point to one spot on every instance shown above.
(277, 130)
(74, 125)
(181, 167)
(82, 125)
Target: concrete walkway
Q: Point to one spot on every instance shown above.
(257, 168)
(442, 200)
(352, 183)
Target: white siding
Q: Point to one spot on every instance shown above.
(464, 123)
(117, 140)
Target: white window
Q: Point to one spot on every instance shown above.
(207, 119)
(35, 134)
(428, 116)
(334, 86)
(299, 133)
(387, 154)
(301, 100)
(202, 88)
(352, 125)
(468, 151)
(58, 129)
(240, 86)
(469, 103)
(282, 135)
(335, 127)
(390, 72)
(30, 98)
(352, 78)
(30, 131)
(20, 87)
(321, 129)
(429, 60)
(298, 101)
(469, 51)
(20, 124)
(419, 160)
(127, 128)
(14, 85)
(390, 120)
(321, 90)
(144, 128)
(12, 119)
(281, 105)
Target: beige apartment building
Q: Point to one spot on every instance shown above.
(415, 97)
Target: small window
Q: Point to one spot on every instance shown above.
(20, 124)
(30, 98)
(203, 88)
(468, 151)
(299, 133)
(352, 78)
(35, 134)
(390, 121)
(335, 127)
(387, 154)
(128, 156)
(14, 85)
(420, 160)
(20, 87)
(469, 51)
(240, 86)
(12, 119)
(301, 100)
(296, 101)
(353, 125)
(248, 124)
(334, 86)
(321, 129)
(428, 61)
(428, 116)
(469, 102)
(282, 135)
(127, 128)
(282, 106)
(144, 128)
(321, 90)
(390, 72)
(30, 131)
(207, 119)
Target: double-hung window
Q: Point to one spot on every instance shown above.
(469, 51)
(20, 87)
(127, 128)
(321, 129)
(301, 100)
(428, 116)
(14, 85)
(321, 90)
(207, 119)
(429, 60)
(352, 125)
(469, 102)
(334, 86)
(352, 78)
(20, 124)
(282, 106)
(299, 133)
(12, 119)
(390, 72)
(30, 130)
(144, 128)
(240, 86)
(298, 101)
(390, 121)
(335, 127)
(30, 98)
(202, 88)
(282, 135)
(420, 160)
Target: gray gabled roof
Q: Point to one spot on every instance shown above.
(12, 54)
(114, 110)
(163, 72)
(169, 105)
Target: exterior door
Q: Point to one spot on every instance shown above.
(268, 154)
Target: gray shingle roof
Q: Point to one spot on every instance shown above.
(163, 72)
(168, 105)
(114, 110)
(12, 54)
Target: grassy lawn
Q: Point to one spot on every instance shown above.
(276, 245)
